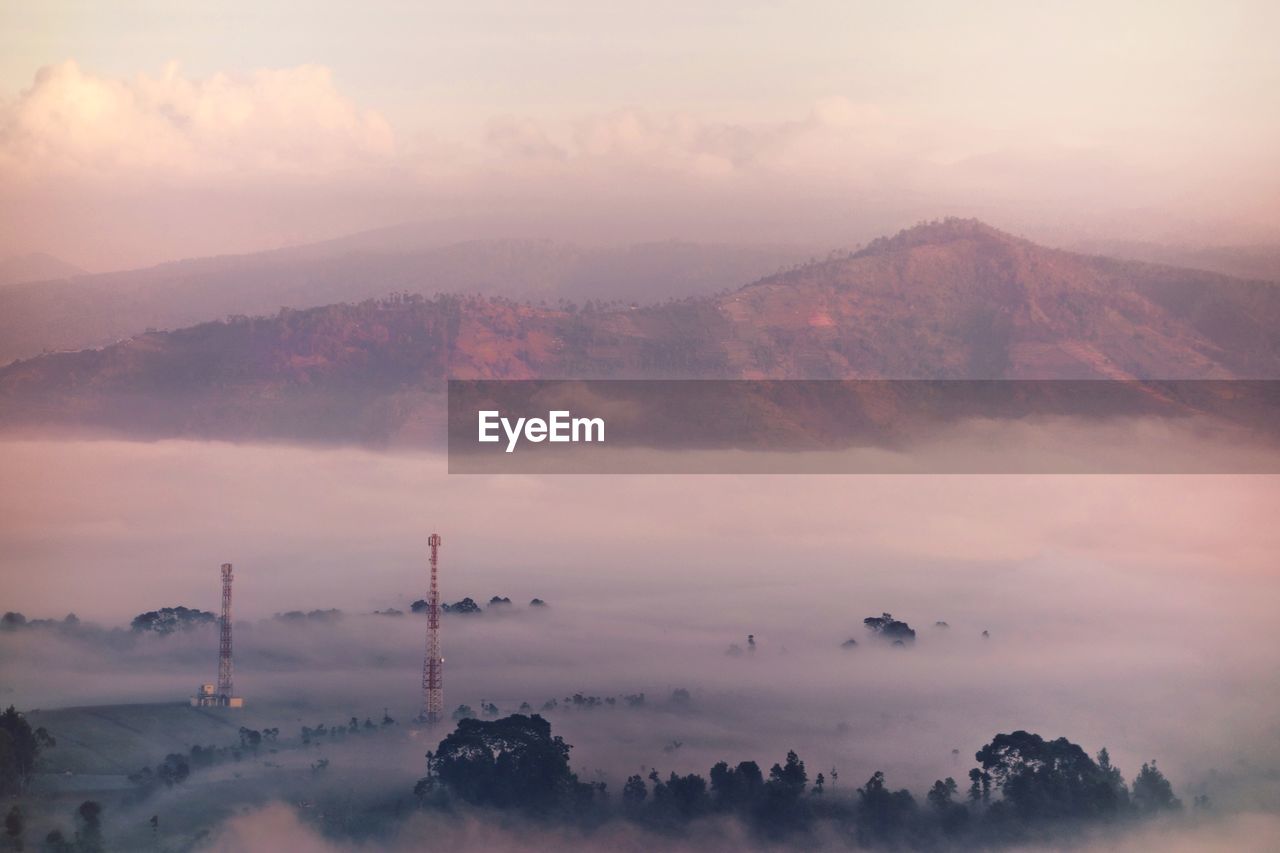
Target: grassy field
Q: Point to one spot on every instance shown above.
(98, 746)
(120, 739)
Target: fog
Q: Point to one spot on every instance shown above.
(277, 827)
(1126, 611)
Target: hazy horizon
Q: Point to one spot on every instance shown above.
(251, 128)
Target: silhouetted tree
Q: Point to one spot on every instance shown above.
(882, 812)
(1152, 792)
(15, 826)
(634, 793)
(514, 762)
(888, 628)
(1114, 780)
(1047, 779)
(682, 797)
(941, 798)
(736, 788)
(56, 842)
(20, 746)
(174, 770)
(168, 620)
(89, 836)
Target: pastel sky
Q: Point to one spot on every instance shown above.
(142, 131)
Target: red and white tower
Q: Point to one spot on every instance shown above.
(224, 645)
(433, 665)
(210, 695)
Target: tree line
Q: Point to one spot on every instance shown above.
(1023, 788)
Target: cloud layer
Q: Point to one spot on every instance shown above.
(117, 171)
(172, 128)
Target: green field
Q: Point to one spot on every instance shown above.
(120, 739)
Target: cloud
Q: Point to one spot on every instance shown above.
(116, 172)
(176, 128)
(834, 136)
(173, 127)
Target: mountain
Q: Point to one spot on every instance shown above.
(948, 300)
(95, 310)
(36, 266)
(1257, 262)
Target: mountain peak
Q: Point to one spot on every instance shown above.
(939, 231)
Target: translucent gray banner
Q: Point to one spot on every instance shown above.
(863, 426)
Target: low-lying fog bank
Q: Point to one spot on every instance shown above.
(1131, 612)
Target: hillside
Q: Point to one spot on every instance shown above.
(119, 739)
(956, 299)
(96, 310)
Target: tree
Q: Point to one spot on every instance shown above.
(89, 837)
(882, 812)
(736, 788)
(979, 786)
(941, 794)
(514, 762)
(634, 792)
(1152, 792)
(20, 746)
(683, 797)
(15, 825)
(888, 628)
(174, 770)
(56, 842)
(941, 798)
(168, 620)
(1113, 779)
(1047, 779)
(789, 779)
(781, 810)
(466, 606)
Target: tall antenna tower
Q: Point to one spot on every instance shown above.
(224, 645)
(433, 665)
(208, 694)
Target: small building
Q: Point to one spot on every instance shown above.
(207, 696)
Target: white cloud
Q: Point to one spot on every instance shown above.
(172, 127)
(112, 172)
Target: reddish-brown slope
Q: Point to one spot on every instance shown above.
(950, 300)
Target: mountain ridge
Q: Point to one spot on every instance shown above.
(96, 310)
(955, 299)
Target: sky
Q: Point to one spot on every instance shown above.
(141, 132)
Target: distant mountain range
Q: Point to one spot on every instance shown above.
(1260, 262)
(954, 299)
(36, 266)
(96, 310)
